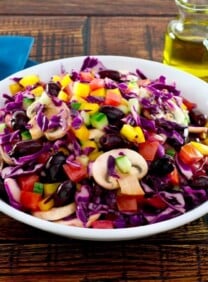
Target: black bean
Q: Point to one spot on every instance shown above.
(54, 168)
(52, 88)
(24, 148)
(114, 114)
(64, 194)
(19, 120)
(200, 182)
(162, 166)
(197, 117)
(112, 141)
(112, 74)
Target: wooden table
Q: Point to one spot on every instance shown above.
(72, 28)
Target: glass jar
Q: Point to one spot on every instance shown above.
(186, 39)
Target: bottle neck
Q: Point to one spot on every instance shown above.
(192, 22)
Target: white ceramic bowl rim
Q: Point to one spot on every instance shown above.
(188, 84)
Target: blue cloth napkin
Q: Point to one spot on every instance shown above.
(14, 54)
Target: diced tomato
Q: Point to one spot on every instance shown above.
(127, 203)
(156, 202)
(148, 149)
(190, 105)
(26, 182)
(42, 159)
(102, 224)
(96, 83)
(189, 154)
(76, 172)
(30, 200)
(174, 177)
(113, 98)
(86, 76)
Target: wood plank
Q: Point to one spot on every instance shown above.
(93, 7)
(128, 261)
(134, 36)
(55, 37)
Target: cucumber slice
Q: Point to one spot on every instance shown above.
(123, 164)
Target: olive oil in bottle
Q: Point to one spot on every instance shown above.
(186, 39)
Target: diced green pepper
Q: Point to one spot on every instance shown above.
(99, 120)
(75, 105)
(27, 102)
(26, 135)
(38, 188)
(171, 152)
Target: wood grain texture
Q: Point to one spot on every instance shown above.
(132, 36)
(92, 7)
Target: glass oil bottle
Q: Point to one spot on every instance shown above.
(186, 39)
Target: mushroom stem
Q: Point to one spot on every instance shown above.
(197, 129)
(130, 185)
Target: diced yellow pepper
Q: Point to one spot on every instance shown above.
(30, 79)
(46, 204)
(100, 92)
(14, 88)
(94, 155)
(115, 91)
(65, 80)
(37, 91)
(63, 96)
(91, 108)
(50, 188)
(82, 133)
(202, 148)
(133, 133)
(56, 78)
(89, 143)
(80, 89)
(140, 138)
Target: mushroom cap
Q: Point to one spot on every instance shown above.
(99, 167)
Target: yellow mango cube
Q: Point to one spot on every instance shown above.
(37, 91)
(63, 96)
(80, 89)
(28, 80)
(82, 133)
(65, 80)
(91, 108)
(14, 88)
(100, 92)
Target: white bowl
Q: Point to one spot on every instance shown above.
(191, 87)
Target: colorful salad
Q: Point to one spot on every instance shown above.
(102, 148)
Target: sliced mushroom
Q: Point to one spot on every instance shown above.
(60, 131)
(5, 157)
(128, 183)
(198, 129)
(34, 129)
(71, 222)
(50, 110)
(56, 213)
